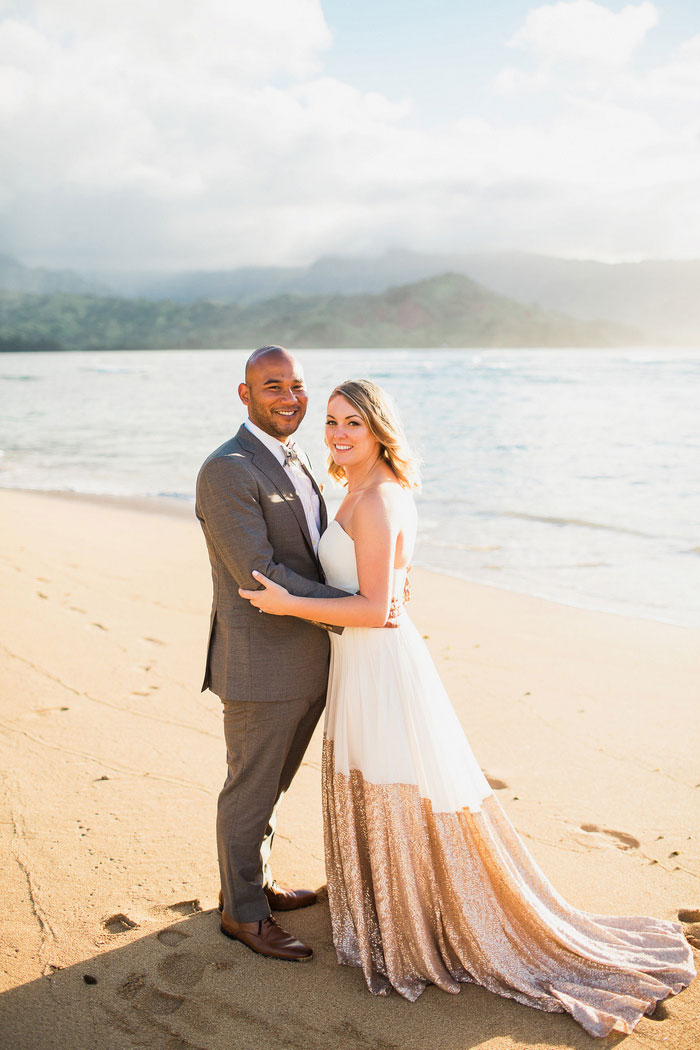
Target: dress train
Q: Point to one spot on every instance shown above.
(428, 881)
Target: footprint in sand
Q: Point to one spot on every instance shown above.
(692, 934)
(119, 923)
(621, 840)
(183, 969)
(171, 938)
(162, 1002)
(690, 917)
(192, 907)
(133, 984)
(495, 783)
(147, 997)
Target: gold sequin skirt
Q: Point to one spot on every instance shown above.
(428, 881)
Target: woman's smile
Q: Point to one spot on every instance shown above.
(342, 417)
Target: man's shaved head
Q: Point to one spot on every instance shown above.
(274, 391)
(261, 352)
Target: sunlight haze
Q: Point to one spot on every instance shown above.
(178, 136)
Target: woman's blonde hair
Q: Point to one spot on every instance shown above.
(379, 413)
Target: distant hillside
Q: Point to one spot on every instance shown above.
(16, 277)
(445, 311)
(659, 298)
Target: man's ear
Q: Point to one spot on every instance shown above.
(244, 394)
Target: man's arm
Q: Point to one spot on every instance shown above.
(227, 499)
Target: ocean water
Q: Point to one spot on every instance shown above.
(573, 475)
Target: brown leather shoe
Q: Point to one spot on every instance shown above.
(266, 938)
(280, 898)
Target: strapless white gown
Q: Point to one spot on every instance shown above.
(428, 881)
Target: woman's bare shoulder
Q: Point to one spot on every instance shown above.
(388, 499)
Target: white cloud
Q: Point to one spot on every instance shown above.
(676, 81)
(192, 136)
(586, 31)
(213, 120)
(243, 41)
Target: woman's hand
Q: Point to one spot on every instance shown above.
(272, 599)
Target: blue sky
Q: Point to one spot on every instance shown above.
(444, 54)
(219, 134)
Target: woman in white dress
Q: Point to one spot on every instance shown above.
(428, 881)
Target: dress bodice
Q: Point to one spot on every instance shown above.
(336, 552)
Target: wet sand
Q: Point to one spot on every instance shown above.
(586, 724)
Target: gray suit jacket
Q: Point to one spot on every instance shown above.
(252, 518)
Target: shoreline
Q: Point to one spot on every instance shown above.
(167, 506)
(584, 723)
(183, 508)
(654, 346)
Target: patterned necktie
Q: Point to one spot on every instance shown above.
(291, 456)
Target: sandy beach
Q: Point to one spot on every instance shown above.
(586, 724)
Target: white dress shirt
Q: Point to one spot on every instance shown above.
(300, 480)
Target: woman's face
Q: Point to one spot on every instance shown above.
(347, 435)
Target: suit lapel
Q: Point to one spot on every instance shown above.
(324, 512)
(273, 470)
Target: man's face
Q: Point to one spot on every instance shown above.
(275, 394)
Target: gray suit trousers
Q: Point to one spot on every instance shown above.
(262, 739)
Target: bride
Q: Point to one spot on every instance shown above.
(428, 881)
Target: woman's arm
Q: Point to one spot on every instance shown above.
(375, 534)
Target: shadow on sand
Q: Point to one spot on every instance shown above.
(185, 987)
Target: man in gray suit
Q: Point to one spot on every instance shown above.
(260, 509)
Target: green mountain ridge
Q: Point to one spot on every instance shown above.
(449, 310)
(659, 297)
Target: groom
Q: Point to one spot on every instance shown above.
(261, 509)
